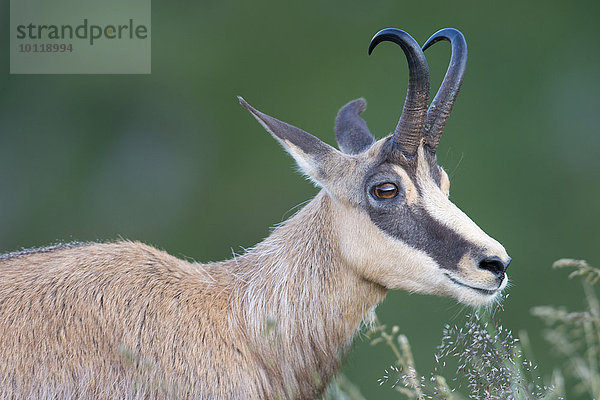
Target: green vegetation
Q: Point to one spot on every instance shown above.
(575, 336)
(483, 360)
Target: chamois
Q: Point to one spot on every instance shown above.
(125, 320)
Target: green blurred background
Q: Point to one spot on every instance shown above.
(171, 159)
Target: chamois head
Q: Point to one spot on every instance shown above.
(394, 222)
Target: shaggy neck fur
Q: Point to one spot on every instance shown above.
(125, 320)
(300, 305)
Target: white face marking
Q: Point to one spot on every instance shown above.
(381, 258)
(444, 211)
(445, 182)
(411, 192)
(394, 264)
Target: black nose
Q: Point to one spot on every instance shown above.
(495, 265)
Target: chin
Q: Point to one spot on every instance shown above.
(476, 297)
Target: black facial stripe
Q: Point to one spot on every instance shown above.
(415, 227)
(411, 223)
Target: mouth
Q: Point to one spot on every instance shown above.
(486, 292)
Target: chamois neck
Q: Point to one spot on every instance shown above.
(300, 303)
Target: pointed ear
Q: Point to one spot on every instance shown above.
(314, 157)
(351, 131)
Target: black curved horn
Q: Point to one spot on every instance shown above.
(409, 132)
(441, 106)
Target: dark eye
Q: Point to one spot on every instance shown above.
(386, 191)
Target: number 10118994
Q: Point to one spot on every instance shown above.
(45, 48)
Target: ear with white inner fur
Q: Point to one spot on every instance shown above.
(314, 157)
(351, 130)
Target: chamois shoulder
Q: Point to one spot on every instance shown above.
(115, 269)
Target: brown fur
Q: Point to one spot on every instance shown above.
(125, 320)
